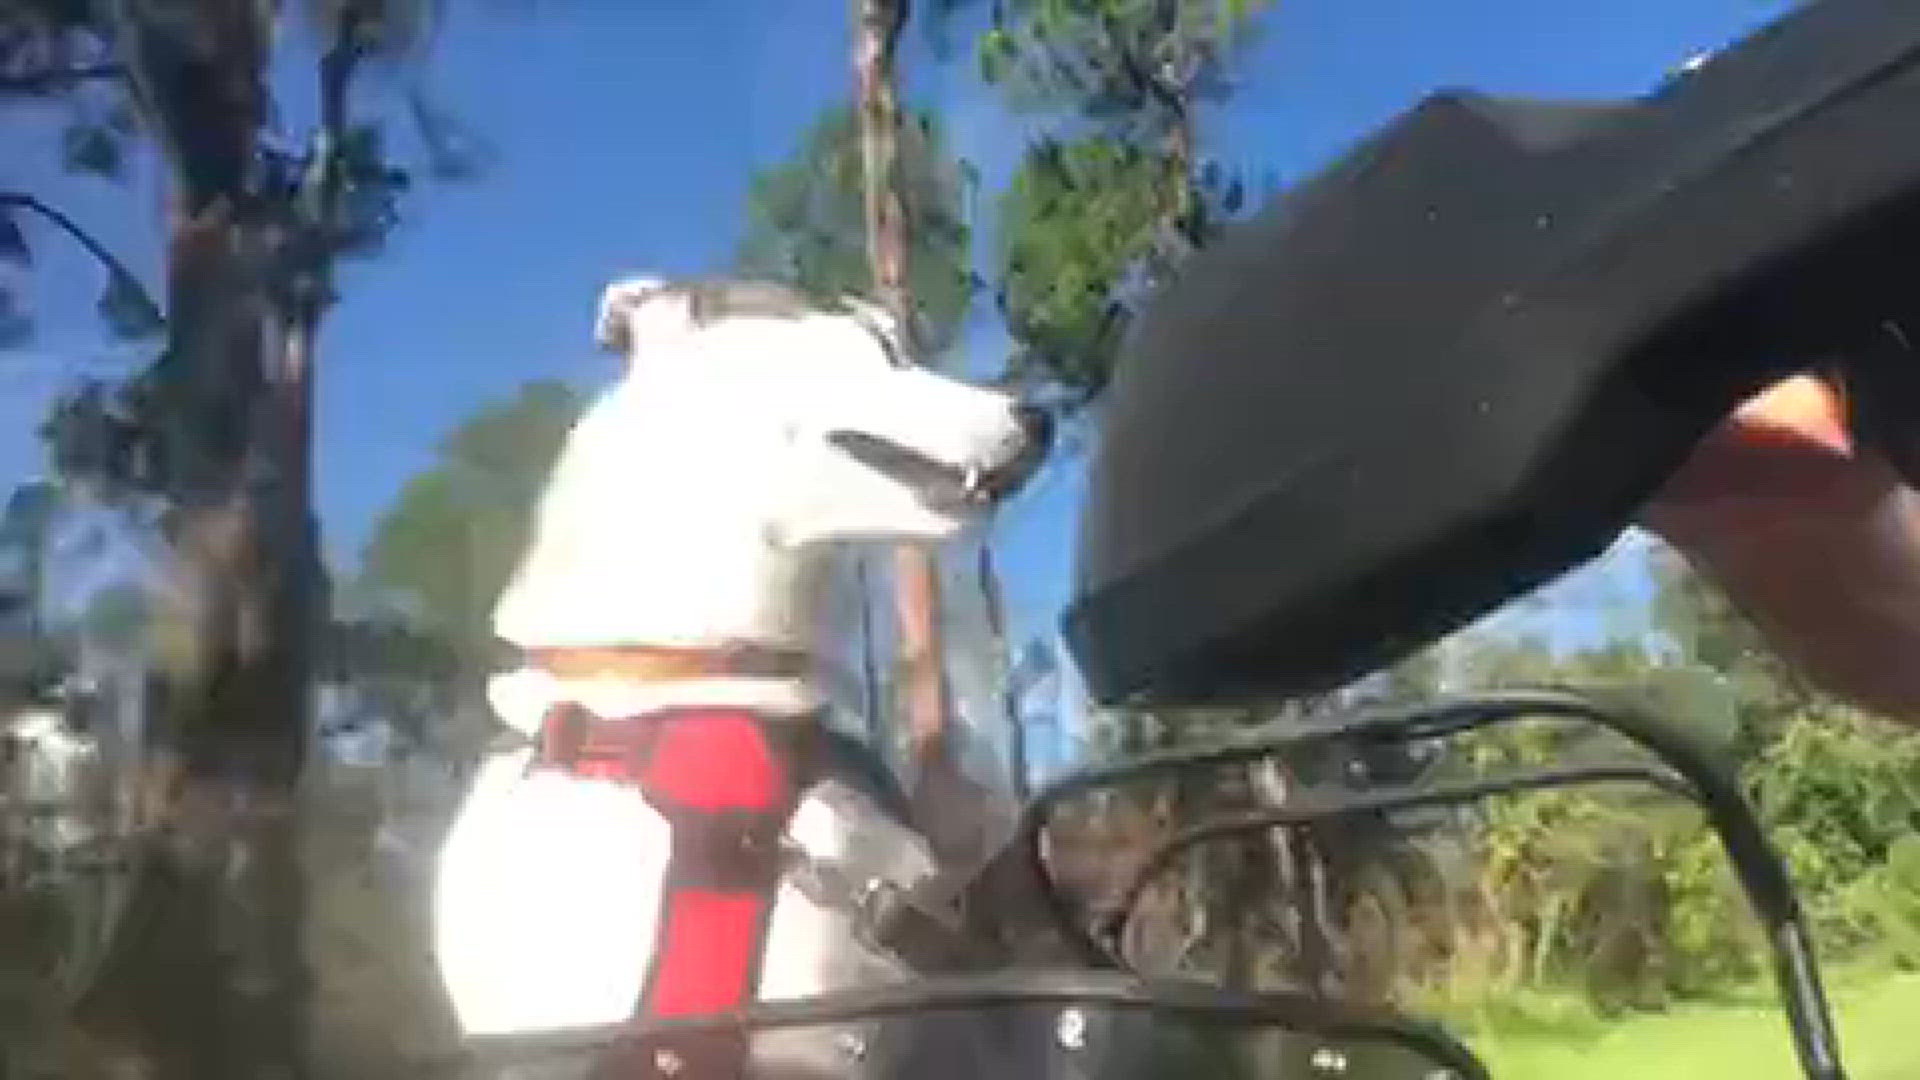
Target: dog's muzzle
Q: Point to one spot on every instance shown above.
(953, 488)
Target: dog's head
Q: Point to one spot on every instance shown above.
(865, 444)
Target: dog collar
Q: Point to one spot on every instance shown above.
(655, 663)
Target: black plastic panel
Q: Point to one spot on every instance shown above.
(1452, 366)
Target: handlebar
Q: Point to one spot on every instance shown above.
(1292, 1010)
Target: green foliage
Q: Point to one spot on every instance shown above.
(118, 617)
(1713, 635)
(1134, 66)
(63, 52)
(93, 149)
(1414, 680)
(806, 223)
(370, 191)
(1615, 891)
(1628, 898)
(454, 150)
(450, 542)
(1112, 204)
(1077, 218)
(79, 56)
(1619, 895)
(1840, 792)
(126, 309)
(1885, 902)
(16, 326)
(394, 29)
(13, 242)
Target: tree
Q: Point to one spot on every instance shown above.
(806, 222)
(1077, 220)
(872, 204)
(206, 977)
(807, 225)
(1627, 896)
(1835, 786)
(1107, 210)
(1099, 211)
(454, 536)
(1713, 636)
(877, 25)
(1102, 208)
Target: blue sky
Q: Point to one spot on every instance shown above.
(625, 135)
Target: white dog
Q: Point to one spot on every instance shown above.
(677, 562)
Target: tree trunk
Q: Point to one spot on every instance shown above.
(1010, 694)
(1182, 226)
(870, 661)
(206, 977)
(877, 27)
(923, 681)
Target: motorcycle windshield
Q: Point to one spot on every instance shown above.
(578, 539)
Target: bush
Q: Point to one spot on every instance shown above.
(1840, 794)
(1631, 901)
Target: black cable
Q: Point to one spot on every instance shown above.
(1291, 1010)
(1762, 874)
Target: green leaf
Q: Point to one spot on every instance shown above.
(805, 224)
(996, 53)
(122, 118)
(127, 310)
(118, 617)
(454, 151)
(450, 541)
(13, 242)
(1700, 701)
(1903, 863)
(1078, 219)
(16, 326)
(1240, 10)
(93, 149)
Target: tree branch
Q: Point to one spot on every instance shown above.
(37, 82)
(94, 247)
(336, 74)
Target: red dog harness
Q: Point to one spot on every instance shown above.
(727, 789)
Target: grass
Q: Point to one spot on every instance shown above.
(1737, 1040)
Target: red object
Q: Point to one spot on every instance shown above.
(705, 957)
(725, 788)
(715, 762)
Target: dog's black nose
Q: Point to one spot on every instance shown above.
(1036, 424)
(1036, 437)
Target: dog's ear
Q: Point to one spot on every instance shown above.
(613, 329)
(881, 324)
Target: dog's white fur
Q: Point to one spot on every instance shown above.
(695, 504)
